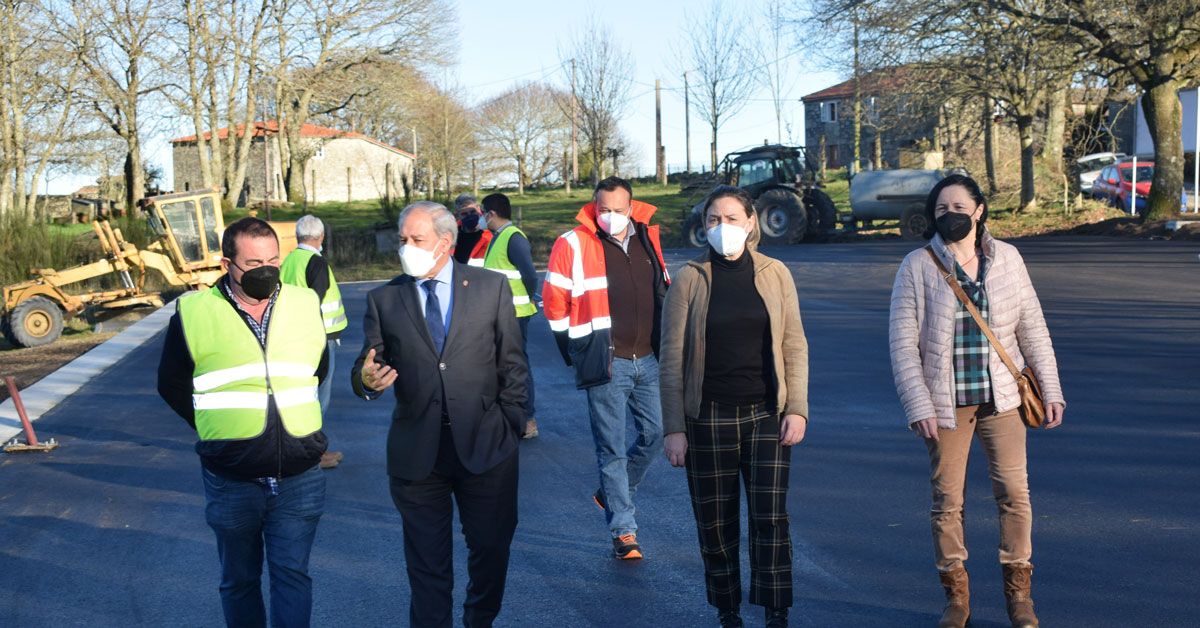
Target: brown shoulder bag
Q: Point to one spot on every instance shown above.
(1033, 408)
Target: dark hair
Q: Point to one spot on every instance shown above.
(728, 191)
(612, 183)
(498, 204)
(972, 188)
(248, 226)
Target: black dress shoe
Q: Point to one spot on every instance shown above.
(777, 617)
(729, 619)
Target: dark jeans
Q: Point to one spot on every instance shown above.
(487, 509)
(246, 518)
(524, 323)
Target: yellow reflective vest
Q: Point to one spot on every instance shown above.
(293, 271)
(234, 376)
(497, 260)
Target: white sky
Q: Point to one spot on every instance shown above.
(505, 42)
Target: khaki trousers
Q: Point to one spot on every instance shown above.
(1003, 439)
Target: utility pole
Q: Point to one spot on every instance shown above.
(660, 161)
(574, 132)
(857, 101)
(687, 125)
(414, 172)
(474, 180)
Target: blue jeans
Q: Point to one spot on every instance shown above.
(524, 324)
(633, 387)
(325, 390)
(245, 518)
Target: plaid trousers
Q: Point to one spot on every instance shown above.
(726, 442)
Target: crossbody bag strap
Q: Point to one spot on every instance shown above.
(983, 326)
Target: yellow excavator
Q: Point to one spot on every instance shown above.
(186, 252)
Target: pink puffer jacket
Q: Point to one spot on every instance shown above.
(921, 332)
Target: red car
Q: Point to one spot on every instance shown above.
(1115, 184)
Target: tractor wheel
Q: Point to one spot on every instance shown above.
(913, 222)
(694, 232)
(822, 215)
(781, 216)
(35, 322)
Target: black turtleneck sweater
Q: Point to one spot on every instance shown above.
(738, 365)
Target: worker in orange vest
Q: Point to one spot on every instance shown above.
(473, 234)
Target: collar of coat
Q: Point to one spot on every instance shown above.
(704, 264)
(641, 213)
(988, 244)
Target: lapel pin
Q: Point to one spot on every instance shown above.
(465, 282)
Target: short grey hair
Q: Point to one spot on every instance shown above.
(309, 227)
(444, 222)
(463, 201)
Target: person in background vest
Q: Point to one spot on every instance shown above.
(603, 297)
(307, 268)
(473, 236)
(510, 255)
(241, 363)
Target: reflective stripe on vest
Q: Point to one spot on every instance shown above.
(497, 260)
(294, 271)
(234, 378)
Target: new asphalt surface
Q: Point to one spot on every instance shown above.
(109, 529)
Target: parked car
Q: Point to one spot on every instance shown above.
(1115, 185)
(1089, 167)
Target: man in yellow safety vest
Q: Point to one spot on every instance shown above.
(307, 267)
(241, 364)
(509, 254)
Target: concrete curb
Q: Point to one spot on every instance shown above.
(48, 392)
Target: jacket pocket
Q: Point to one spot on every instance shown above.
(592, 357)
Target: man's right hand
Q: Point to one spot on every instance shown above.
(375, 377)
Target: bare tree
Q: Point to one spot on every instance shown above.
(604, 70)
(217, 46)
(723, 64)
(1158, 45)
(525, 125)
(318, 41)
(38, 89)
(116, 44)
(771, 57)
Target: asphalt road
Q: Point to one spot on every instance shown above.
(109, 529)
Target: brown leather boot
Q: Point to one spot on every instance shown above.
(1017, 584)
(958, 599)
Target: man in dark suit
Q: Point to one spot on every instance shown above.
(444, 337)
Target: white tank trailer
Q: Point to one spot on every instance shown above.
(883, 196)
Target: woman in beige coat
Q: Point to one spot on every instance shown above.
(953, 384)
(733, 374)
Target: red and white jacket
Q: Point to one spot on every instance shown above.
(480, 250)
(575, 293)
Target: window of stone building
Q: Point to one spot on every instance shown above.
(829, 111)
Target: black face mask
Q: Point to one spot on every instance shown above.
(259, 283)
(954, 226)
(470, 222)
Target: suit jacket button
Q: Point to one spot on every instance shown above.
(442, 366)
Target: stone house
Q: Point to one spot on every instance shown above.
(899, 120)
(341, 165)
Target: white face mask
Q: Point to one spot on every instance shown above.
(417, 261)
(727, 239)
(612, 222)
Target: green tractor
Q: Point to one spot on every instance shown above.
(782, 180)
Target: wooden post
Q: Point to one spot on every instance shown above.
(474, 180)
(387, 183)
(313, 186)
(349, 191)
(687, 125)
(574, 132)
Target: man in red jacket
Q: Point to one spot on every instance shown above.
(603, 298)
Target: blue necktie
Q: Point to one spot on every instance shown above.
(433, 315)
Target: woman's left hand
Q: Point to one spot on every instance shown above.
(791, 432)
(1054, 415)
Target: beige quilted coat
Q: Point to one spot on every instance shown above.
(921, 332)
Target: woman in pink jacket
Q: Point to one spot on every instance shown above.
(953, 384)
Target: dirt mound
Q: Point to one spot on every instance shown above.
(1130, 227)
